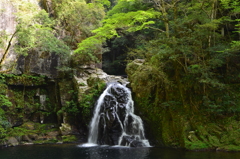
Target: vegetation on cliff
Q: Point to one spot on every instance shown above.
(185, 81)
(38, 85)
(187, 85)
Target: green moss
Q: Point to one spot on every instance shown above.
(176, 113)
(89, 98)
(44, 128)
(28, 126)
(214, 141)
(25, 79)
(20, 131)
(2, 133)
(196, 145)
(39, 142)
(3, 88)
(92, 81)
(69, 138)
(82, 84)
(230, 148)
(50, 141)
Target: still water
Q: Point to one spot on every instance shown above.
(71, 151)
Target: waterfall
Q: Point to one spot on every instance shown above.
(114, 121)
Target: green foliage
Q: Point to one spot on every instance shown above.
(199, 145)
(131, 21)
(4, 103)
(70, 107)
(19, 131)
(77, 18)
(35, 33)
(3, 38)
(3, 121)
(2, 132)
(124, 6)
(25, 79)
(88, 100)
(189, 68)
(69, 138)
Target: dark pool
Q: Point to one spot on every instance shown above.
(72, 151)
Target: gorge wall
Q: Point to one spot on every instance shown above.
(47, 96)
(172, 120)
(39, 102)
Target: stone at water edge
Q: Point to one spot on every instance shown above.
(12, 141)
(130, 141)
(65, 129)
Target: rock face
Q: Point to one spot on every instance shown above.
(7, 31)
(87, 76)
(35, 93)
(7, 18)
(40, 63)
(113, 112)
(170, 122)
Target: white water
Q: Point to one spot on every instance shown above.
(132, 129)
(93, 133)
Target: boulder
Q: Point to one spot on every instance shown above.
(87, 76)
(65, 129)
(131, 141)
(53, 134)
(26, 138)
(12, 141)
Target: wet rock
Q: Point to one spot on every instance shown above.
(87, 76)
(26, 138)
(131, 141)
(12, 141)
(53, 134)
(116, 120)
(33, 136)
(65, 129)
(15, 122)
(38, 64)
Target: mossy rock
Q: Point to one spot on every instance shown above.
(12, 141)
(69, 138)
(26, 80)
(196, 145)
(229, 148)
(28, 125)
(92, 81)
(3, 88)
(214, 141)
(231, 137)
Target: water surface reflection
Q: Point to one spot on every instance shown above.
(107, 152)
(71, 151)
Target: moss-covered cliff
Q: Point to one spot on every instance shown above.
(30, 108)
(176, 115)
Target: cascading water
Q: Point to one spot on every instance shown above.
(114, 121)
